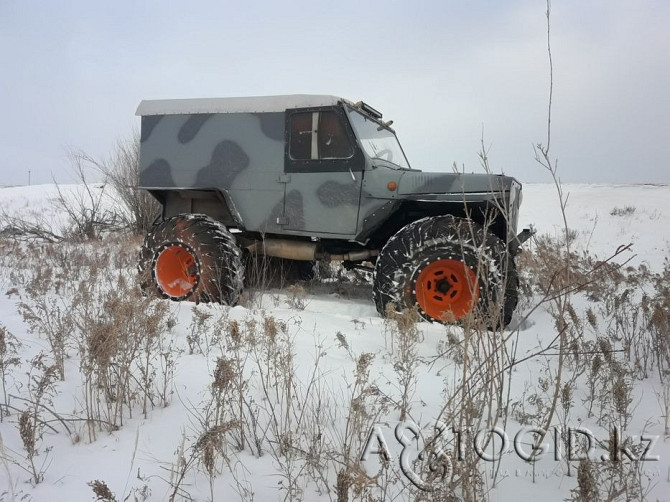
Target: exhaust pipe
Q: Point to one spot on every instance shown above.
(304, 251)
(279, 248)
(353, 256)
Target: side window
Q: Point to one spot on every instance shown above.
(301, 136)
(318, 136)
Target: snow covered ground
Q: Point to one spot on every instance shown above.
(325, 333)
(589, 212)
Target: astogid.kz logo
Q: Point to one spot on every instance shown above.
(426, 457)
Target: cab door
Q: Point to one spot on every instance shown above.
(323, 173)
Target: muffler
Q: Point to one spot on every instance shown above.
(304, 251)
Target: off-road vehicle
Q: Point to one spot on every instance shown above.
(307, 178)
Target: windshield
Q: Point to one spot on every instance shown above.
(377, 141)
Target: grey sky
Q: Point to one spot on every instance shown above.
(73, 73)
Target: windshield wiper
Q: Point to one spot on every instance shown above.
(386, 161)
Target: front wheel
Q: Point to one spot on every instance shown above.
(448, 269)
(191, 257)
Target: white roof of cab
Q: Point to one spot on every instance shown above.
(250, 104)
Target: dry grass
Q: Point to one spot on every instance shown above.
(84, 302)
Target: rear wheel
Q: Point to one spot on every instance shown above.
(191, 257)
(448, 269)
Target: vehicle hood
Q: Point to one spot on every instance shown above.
(417, 183)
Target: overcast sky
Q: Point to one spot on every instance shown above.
(72, 74)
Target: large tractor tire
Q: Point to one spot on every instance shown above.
(191, 257)
(450, 270)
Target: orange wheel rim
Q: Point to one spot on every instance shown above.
(447, 290)
(176, 270)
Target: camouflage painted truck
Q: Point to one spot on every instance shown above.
(307, 178)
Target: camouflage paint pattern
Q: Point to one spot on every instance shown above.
(241, 155)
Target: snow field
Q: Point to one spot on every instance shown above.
(313, 385)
